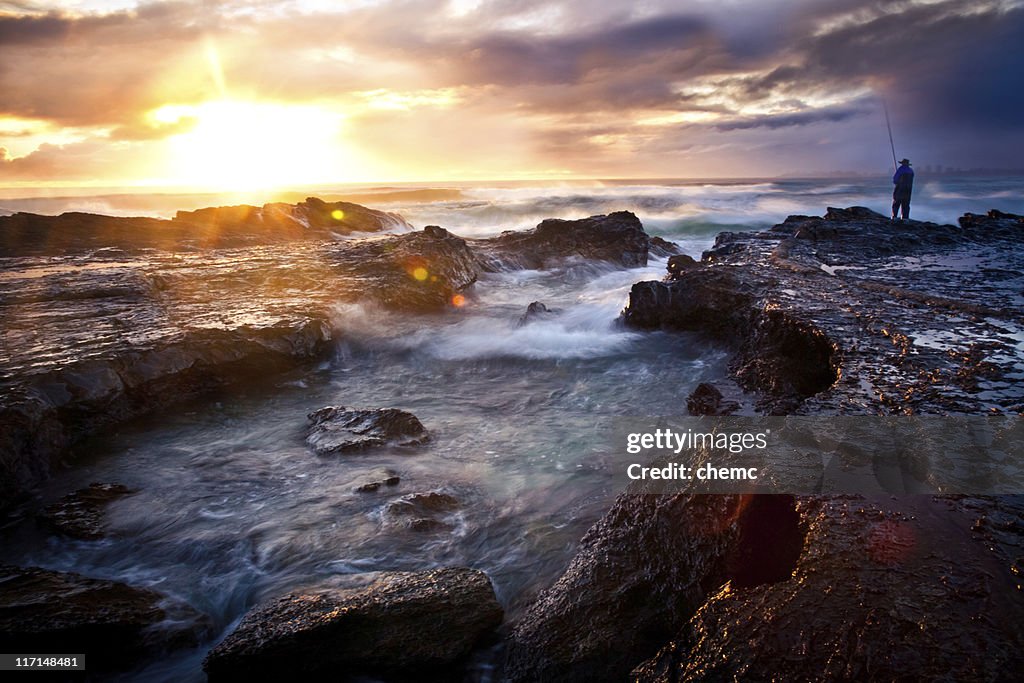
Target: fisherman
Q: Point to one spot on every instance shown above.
(903, 179)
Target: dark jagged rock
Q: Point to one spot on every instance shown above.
(1005, 220)
(880, 593)
(425, 512)
(80, 514)
(617, 238)
(377, 479)
(421, 271)
(23, 234)
(534, 312)
(679, 263)
(639, 575)
(44, 611)
(706, 399)
(46, 412)
(660, 246)
(401, 626)
(829, 307)
(310, 217)
(778, 354)
(337, 429)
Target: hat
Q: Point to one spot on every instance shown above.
(905, 161)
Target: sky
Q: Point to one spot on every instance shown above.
(267, 93)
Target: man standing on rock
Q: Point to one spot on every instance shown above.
(903, 179)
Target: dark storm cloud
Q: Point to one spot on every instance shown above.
(515, 58)
(774, 121)
(945, 64)
(101, 69)
(32, 29)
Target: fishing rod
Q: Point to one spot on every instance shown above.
(888, 125)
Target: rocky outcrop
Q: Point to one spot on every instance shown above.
(80, 514)
(24, 234)
(639, 575)
(783, 357)
(617, 238)
(839, 312)
(116, 625)
(337, 429)
(660, 246)
(375, 480)
(400, 626)
(46, 412)
(883, 590)
(418, 272)
(27, 234)
(425, 512)
(312, 217)
(679, 263)
(706, 399)
(534, 312)
(109, 318)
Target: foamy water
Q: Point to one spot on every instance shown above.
(233, 507)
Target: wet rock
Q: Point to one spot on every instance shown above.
(534, 312)
(342, 217)
(994, 218)
(679, 263)
(853, 214)
(639, 575)
(829, 321)
(110, 318)
(403, 625)
(780, 355)
(23, 234)
(786, 358)
(80, 514)
(45, 412)
(660, 246)
(377, 479)
(617, 238)
(337, 429)
(875, 595)
(706, 399)
(115, 624)
(425, 512)
(421, 271)
(432, 501)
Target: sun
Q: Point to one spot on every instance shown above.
(236, 145)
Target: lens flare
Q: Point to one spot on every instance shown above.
(458, 301)
(338, 214)
(420, 273)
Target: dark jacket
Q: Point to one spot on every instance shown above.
(903, 179)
